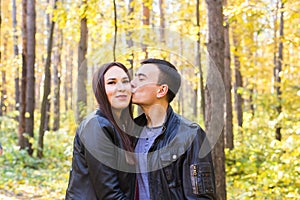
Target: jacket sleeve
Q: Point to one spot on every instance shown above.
(198, 172)
(79, 186)
(101, 159)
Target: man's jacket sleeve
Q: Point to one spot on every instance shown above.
(198, 172)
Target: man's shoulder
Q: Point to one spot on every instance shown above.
(188, 123)
(190, 127)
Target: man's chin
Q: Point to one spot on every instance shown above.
(134, 101)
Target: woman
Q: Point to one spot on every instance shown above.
(98, 157)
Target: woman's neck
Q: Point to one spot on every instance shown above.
(117, 114)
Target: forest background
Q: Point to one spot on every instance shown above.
(248, 51)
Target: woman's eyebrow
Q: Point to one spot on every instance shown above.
(111, 79)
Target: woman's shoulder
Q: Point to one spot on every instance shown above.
(95, 126)
(95, 119)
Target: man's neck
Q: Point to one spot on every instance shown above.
(155, 114)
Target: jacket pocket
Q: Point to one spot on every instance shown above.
(201, 178)
(168, 161)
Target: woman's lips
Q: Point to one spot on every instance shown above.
(122, 97)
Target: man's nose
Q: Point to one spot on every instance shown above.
(132, 82)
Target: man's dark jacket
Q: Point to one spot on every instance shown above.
(178, 169)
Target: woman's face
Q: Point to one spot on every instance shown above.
(117, 87)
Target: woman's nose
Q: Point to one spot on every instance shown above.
(120, 86)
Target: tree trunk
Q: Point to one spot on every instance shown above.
(183, 86)
(116, 29)
(39, 80)
(3, 106)
(16, 53)
(82, 69)
(3, 99)
(238, 80)
(71, 79)
(56, 81)
(146, 22)
(198, 61)
(47, 117)
(162, 20)
(68, 79)
(180, 97)
(129, 40)
(66, 85)
(195, 100)
(278, 70)
(251, 102)
(228, 128)
(47, 89)
(3, 91)
(31, 30)
(48, 102)
(23, 142)
(275, 39)
(215, 49)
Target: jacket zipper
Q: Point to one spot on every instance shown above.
(195, 172)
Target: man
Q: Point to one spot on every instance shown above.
(170, 165)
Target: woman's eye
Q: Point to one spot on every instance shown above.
(110, 83)
(126, 81)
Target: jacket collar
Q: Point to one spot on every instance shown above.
(170, 120)
(142, 120)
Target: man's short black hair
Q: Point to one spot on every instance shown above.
(168, 75)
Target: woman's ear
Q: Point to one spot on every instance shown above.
(162, 91)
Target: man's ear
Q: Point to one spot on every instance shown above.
(162, 91)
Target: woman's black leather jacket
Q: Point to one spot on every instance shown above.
(98, 164)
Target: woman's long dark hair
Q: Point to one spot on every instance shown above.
(105, 107)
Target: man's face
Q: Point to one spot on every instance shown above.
(144, 85)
